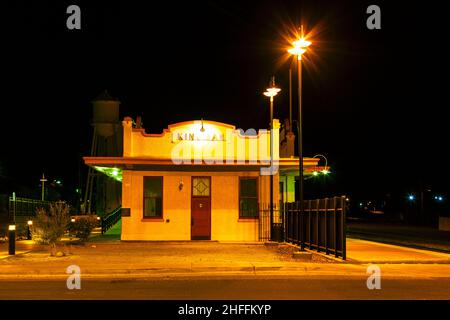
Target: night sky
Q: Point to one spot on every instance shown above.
(374, 100)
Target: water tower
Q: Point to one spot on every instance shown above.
(103, 194)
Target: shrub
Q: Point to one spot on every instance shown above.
(49, 227)
(82, 227)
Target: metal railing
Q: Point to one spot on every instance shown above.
(264, 226)
(111, 219)
(321, 227)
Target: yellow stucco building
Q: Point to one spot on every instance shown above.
(198, 180)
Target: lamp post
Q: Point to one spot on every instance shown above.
(43, 180)
(271, 92)
(299, 48)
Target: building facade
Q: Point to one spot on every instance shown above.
(198, 180)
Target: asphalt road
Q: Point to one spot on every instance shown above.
(237, 288)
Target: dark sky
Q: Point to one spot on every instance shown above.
(373, 99)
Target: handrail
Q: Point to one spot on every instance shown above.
(111, 219)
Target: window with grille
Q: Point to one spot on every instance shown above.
(248, 198)
(153, 197)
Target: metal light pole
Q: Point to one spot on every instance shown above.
(290, 99)
(43, 180)
(300, 146)
(271, 92)
(298, 49)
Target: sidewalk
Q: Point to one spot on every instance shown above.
(362, 251)
(413, 236)
(22, 247)
(199, 259)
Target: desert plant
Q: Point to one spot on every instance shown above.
(49, 227)
(82, 227)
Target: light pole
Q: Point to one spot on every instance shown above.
(299, 48)
(43, 180)
(271, 92)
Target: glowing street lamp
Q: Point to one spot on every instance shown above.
(298, 49)
(271, 92)
(325, 171)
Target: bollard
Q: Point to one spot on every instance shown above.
(30, 224)
(12, 239)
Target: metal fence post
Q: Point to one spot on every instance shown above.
(343, 228)
(326, 225)
(309, 224)
(317, 224)
(302, 226)
(336, 233)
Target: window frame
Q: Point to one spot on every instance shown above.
(192, 186)
(241, 217)
(158, 218)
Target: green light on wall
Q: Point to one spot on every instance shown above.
(114, 173)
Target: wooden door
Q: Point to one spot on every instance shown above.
(201, 208)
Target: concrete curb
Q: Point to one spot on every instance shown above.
(360, 262)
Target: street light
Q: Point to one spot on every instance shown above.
(325, 171)
(299, 48)
(43, 180)
(271, 92)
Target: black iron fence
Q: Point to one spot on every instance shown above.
(111, 219)
(321, 226)
(264, 226)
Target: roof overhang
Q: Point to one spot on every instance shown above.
(113, 166)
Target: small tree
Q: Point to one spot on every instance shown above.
(50, 226)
